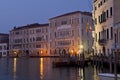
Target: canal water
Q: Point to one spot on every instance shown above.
(42, 69)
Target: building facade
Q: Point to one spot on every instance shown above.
(68, 33)
(116, 26)
(106, 16)
(4, 40)
(29, 40)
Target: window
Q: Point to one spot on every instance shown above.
(82, 20)
(99, 19)
(33, 39)
(39, 38)
(55, 35)
(38, 46)
(30, 39)
(38, 30)
(111, 32)
(107, 33)
(96, 37)
(95, 20)
(102, 17)
(110, 11)
(95, 8)
(72, 32)
(5, 47)
(99, 35)
(107, 13)
(63, 22)
(101, 3)
(104, 1)
(4, 53)
(18, 40)
(17, 33)
(43, 30)
(63, 43)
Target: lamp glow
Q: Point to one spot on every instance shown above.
(81, 46)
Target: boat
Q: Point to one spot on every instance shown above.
(108, 76)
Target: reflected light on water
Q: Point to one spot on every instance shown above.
(82, 74)
(14, 68)
(95, 74)
(41, 68)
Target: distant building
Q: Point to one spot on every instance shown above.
(4, 40)
(107, 19)
(29, 40)
(69, 31)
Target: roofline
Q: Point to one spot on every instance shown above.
(75, 12)
(34, 25)
(4, 34)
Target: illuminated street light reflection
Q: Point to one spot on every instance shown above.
(14, 68)
(41, 68)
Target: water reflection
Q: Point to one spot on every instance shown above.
(80, 74)
(41, 69)
(88, 73)
(14, 68)
(95, 74)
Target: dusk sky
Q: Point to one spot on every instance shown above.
(22, 12)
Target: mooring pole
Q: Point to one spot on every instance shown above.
(115, 61)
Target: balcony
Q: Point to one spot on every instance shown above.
(102, 41)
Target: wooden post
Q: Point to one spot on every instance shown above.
(115, 66)
(115, 62)
(110, 63)
(83, 58)
(93, 59)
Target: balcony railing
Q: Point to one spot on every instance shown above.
(102, 41)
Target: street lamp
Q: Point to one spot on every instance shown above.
(15, 52)
(72, 51)
(41, 51)
(81, 46)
